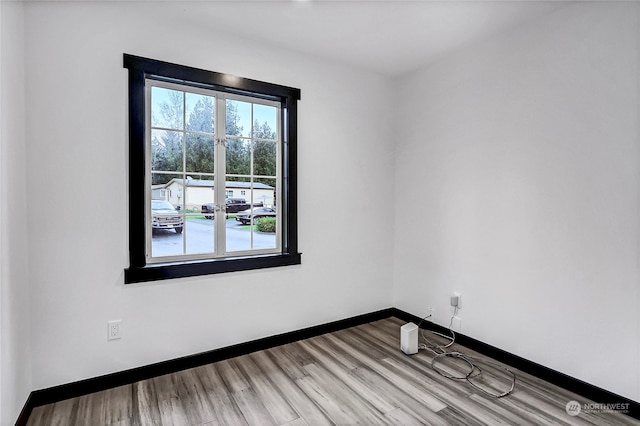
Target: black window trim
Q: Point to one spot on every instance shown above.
(144, 68)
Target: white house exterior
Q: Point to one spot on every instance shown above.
(198, 192)
(158, 192)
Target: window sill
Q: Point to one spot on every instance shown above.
(164, 271)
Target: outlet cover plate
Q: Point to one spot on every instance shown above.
(113, 329)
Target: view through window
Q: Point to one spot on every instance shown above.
(204, 148)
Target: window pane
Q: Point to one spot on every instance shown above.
(238, 156)
(264, 121)
(163, 179)
(200, 112)
(246, 233)
(199, 215)
(264, 191)
(196, 192)
(167, 225)
(200, 234)
(166, 243)
(266, 230)
(234, 180)
(166, 150)
(199, 154)
(238, 229)
(167, 108)
(238, 120)
(238, 233)
(264, 235)
(265, 156)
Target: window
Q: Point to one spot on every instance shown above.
(196, 137)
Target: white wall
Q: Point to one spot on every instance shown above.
(77, 139)
(15, 365)
(527, 147)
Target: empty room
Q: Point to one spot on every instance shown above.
(319, 212)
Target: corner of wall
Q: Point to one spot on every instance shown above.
(637, 38)
(1, 220)
(15, 367)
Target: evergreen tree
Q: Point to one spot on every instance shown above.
(264, 151)
(238, 151)
(200, 148)
(167, 146)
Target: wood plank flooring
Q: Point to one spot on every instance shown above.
(356, 376)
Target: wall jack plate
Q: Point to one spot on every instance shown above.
(113, 329)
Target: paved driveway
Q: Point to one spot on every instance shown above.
(199, 237)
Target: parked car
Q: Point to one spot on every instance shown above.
(256, 212)
(165, 216)
(233, 205)
(208, 210)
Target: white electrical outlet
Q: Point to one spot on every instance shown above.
(113, 329)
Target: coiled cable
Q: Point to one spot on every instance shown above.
(440, 353)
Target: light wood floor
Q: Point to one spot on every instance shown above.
(356, 376)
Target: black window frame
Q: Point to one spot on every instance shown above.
(141, 69)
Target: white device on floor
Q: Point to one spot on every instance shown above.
(409, 338)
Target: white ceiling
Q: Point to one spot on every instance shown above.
(389, 37)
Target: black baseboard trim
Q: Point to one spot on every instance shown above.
(108, 381)
(557, 378)
(83, 387)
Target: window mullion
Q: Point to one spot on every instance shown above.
(220, 177)
(184, 173)
(148, 173)
(278, 191)
(251, 171)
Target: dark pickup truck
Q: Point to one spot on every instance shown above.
(234, 205)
